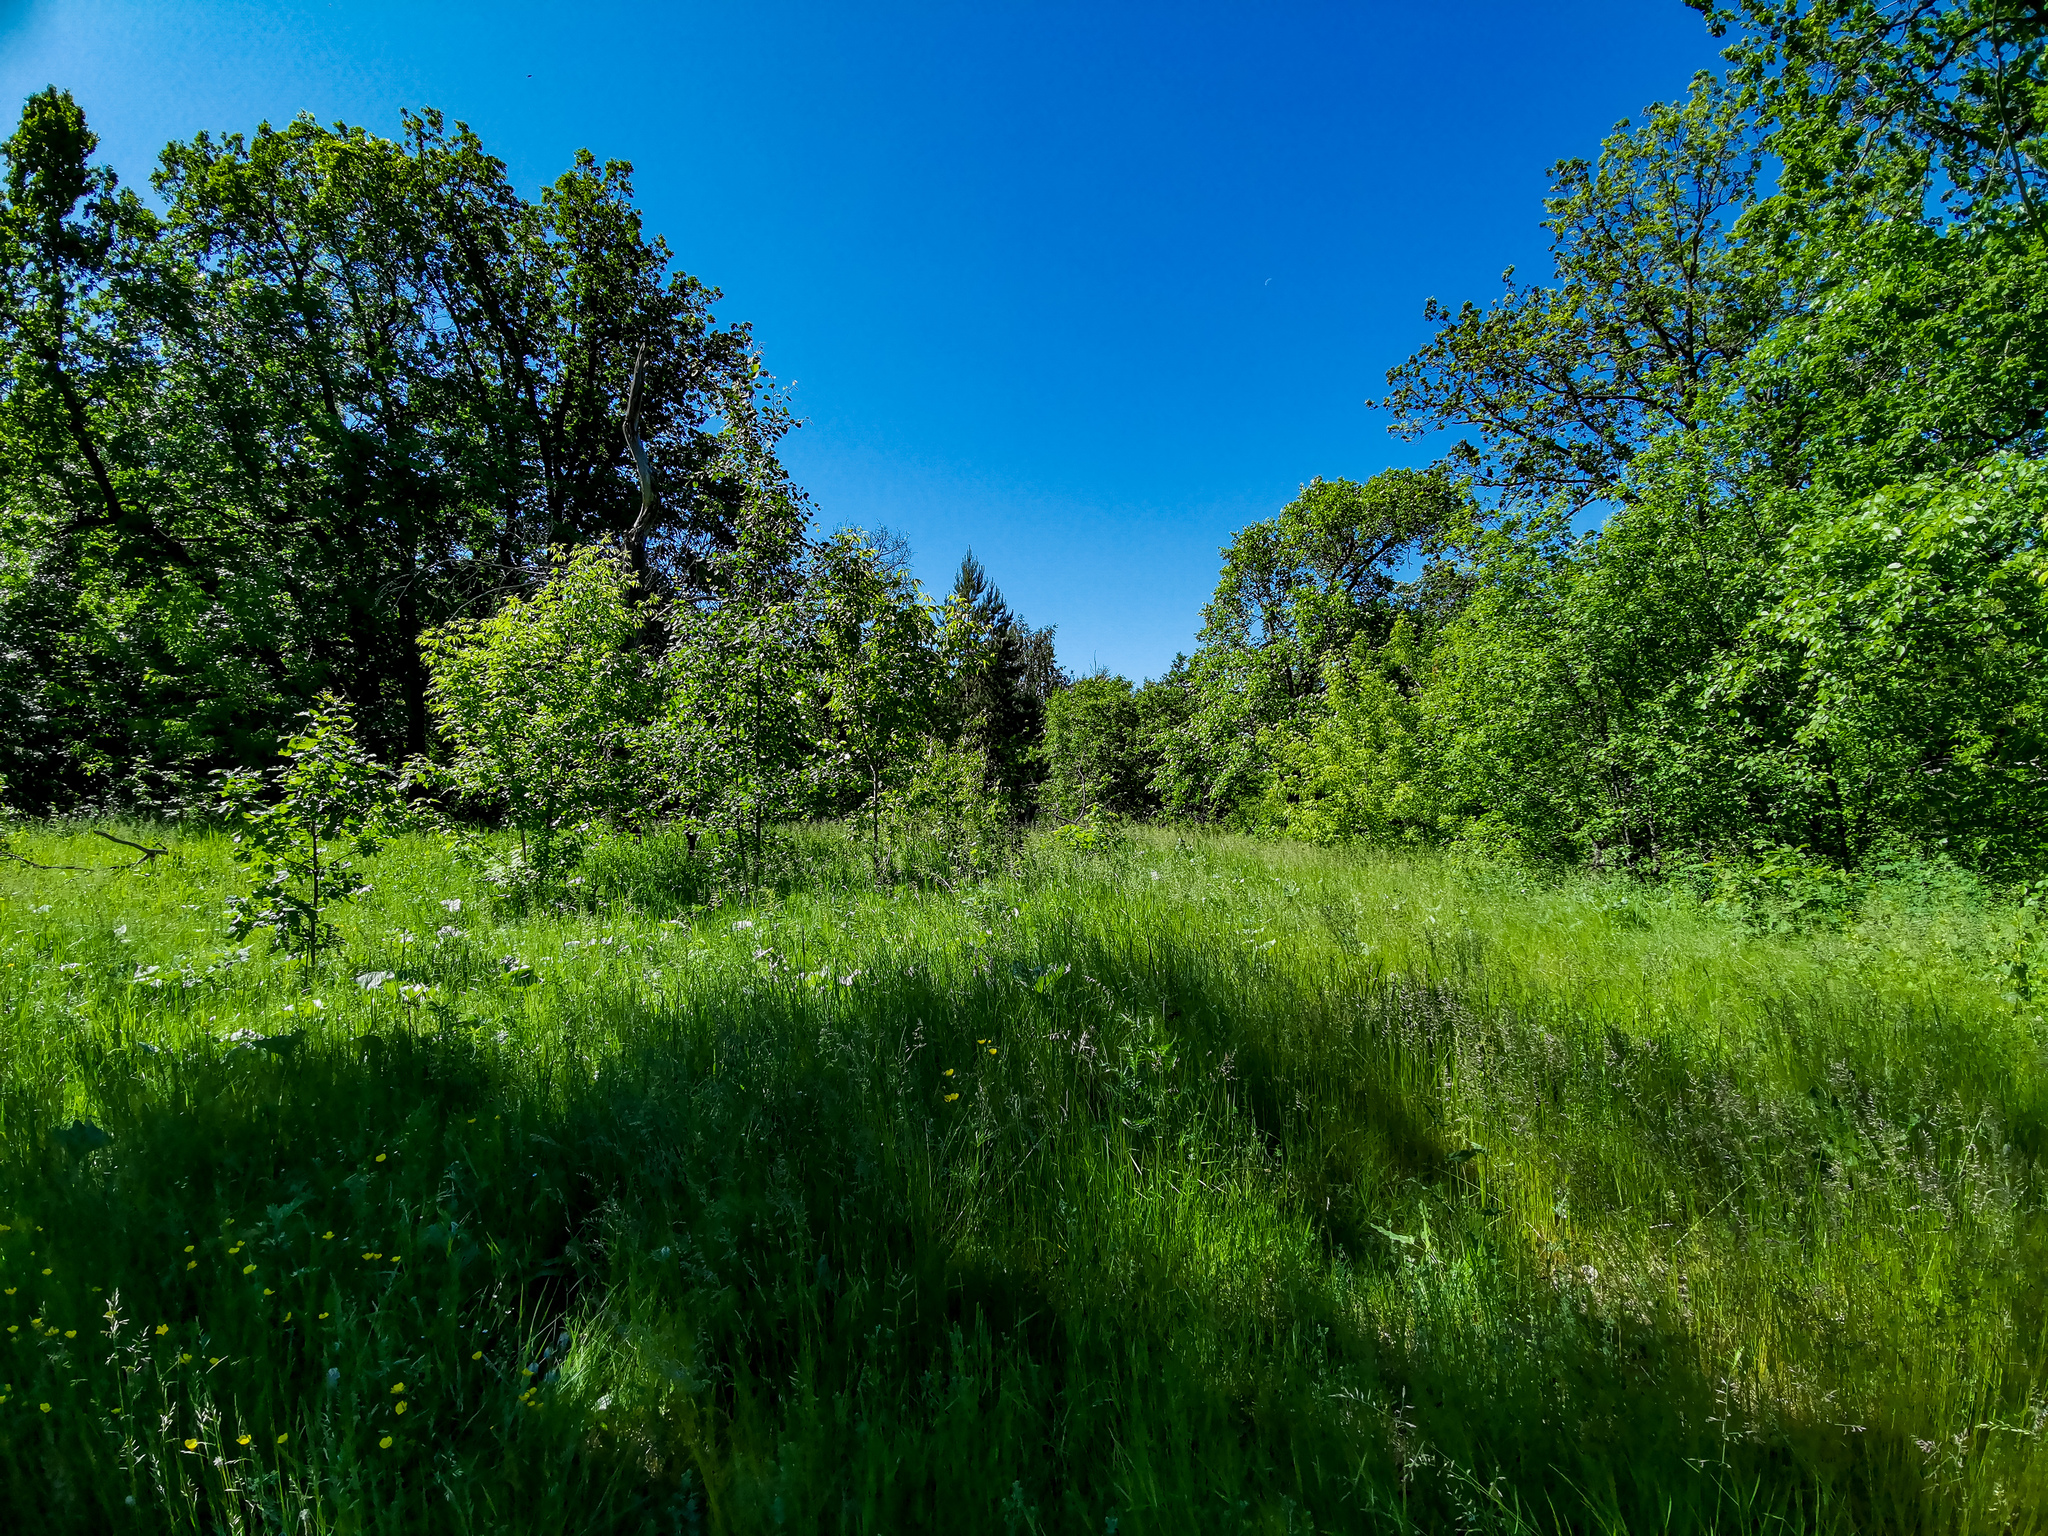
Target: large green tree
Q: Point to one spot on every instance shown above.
(342, 389)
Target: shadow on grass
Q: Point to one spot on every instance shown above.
(740, 1263)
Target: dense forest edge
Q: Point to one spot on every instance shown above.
(543, 989)
(347, 418)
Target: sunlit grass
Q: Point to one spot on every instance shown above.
(1202, 1184)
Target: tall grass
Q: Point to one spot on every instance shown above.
(1191, 1184)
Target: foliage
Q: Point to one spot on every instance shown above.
(1000, 674)
(877, 673)
(1807, 407)
(340, 390)
(1911, 634)
(729, 745)
(948, 815)
(1356, 773)
(1096, 756)
(541, 705)
(1565, 383)
(291, 824)
(1296, 590)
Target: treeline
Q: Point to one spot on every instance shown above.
(348, 415)
(1794, 355)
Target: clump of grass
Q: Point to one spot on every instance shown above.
(1164, 1184)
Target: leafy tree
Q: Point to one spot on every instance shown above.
(1563, 384)
(1908, 636)
(345, 388)
(877, 665)
(293, 822)
(1096, 755)
(542, 704)
(730, 746)
(1296, 590)
(1357, 772)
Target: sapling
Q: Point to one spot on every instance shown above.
(292, 824)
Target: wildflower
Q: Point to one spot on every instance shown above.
(322, 1318)
(266, 1290)
(162, 1329)
(250, 1269)
(476, 1354)
(397, 1390)
(241, 1439)
(189, 1247)
(184, 1359)
(373, 1256)
(10, 1290)
(287, 1317)
(46, 1271)
(381, 1156)
(70, 1333)
(236, 1249)
(191, 1445)
(282, 1438)
(326, 1237)
(951, 1097)
(44, 1406)
(191, 1263)
(401, 1406)
(991, 1050)
(384, 1444)
(949, 1072)
(14, 1328)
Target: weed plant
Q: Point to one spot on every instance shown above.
(1156, 1184)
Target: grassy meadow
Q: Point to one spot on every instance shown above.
(1185, 1183)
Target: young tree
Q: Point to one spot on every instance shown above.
(728, 747)
(877, 664)
(292, 823)
(540, 705)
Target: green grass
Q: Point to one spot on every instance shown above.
(1284, 1190)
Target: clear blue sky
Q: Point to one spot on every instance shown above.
(1085, 287)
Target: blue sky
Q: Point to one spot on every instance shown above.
(1085, 287)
